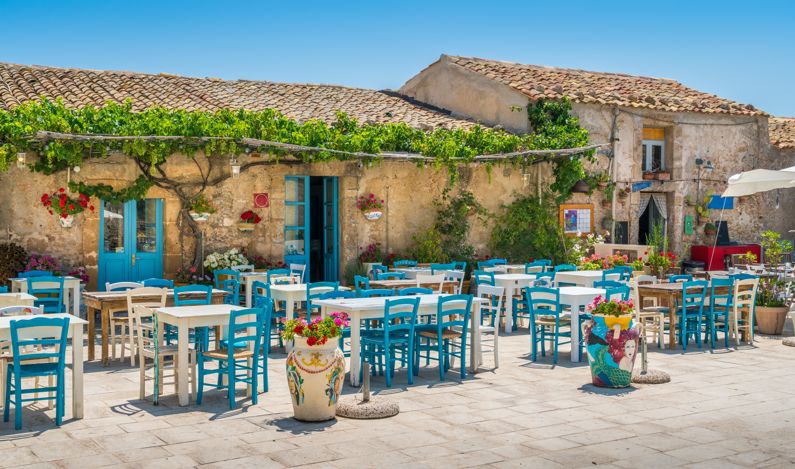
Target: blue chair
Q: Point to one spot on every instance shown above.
(690, 311)
(742, 276)
(405, 263)
(720, 305)
(49, 356)
(48, 292)
(35, 273)
(415, 291)
(614, 274)
(499, 261)
(4, 289)
(608, 284)
(314, 291)
(680, 278)
(617, 293)
(460, 265)
(545, 320)
(390, 276)
(378, 268)
(545, 279)
(546, 262)
(482, 277)
(485, 264)
(233, 361)
(229, 281)
(158, 283)
(191, 295)
(375, 292)
(626, 272)
(261, 298)
(361, 283)
(395, 336)
(452, 322)
(564, 268)
(439, 268)
(535, 267)
(273, 274)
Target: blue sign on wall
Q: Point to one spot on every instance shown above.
(639, 186)
(717, 203)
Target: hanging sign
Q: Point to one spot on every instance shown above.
(639, 186)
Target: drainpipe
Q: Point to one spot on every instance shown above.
(386, 215)
(613, 140)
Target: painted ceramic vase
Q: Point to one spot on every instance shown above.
(315, 376)
(373, 215)
(611, 346)
(200, 216)
(66, 221)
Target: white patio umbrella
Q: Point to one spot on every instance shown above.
(759, 180)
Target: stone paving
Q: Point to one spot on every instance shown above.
(725, 409)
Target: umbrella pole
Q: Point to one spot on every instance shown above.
(715, 241)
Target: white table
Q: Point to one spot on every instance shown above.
(75, 332)
(295, 293)
(186, 318)
(71, 293)
(248, 279)
(577, 297)
(16, 299)
(581, 278)
(507, 268)
(513, 285)
(373, 308)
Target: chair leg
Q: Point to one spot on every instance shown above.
(496, 349)
(200, 384)
(59, 398)
(7, 400)
(440, 351)
(230, 379)
(122, 341)
(130, 327)
(193, 386)
(50, 403)
(142, 376)
(18, 403)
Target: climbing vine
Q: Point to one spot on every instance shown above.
(136, 191)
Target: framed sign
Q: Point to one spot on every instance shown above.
(261, 200)
(576, 218)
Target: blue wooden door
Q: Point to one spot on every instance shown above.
(296, 221)
(330, 231)
(130, 241)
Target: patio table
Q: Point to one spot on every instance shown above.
(580, 278)
(186, 318)
(447, 287)
(16, 299)
(576, 298)
(75, 332)
(412, 272)
(107, 301)
(248, 279)
(71, 287)
(373, 308)
(292, 294)
(507, 268)
(513, 284)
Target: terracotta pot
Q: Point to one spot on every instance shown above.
(770, 320)
(611, 347)
(315, 375)
(663, 176)
(648, 176)
(606, 203)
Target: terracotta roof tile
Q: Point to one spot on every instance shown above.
(583, 86)
(79, 88)
(782, 132)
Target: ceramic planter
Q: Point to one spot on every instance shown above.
(373, 215)
(66, 221)
(199, 216)
(663, 176)
(770, 320)
(246, 226)
(315, 376)
(611, 346)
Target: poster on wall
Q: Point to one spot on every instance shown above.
(576, 218)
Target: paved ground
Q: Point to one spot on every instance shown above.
(725, 409)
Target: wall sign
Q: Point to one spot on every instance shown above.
(717, 203)
(688, 224)
(261, 200)
(576, 218)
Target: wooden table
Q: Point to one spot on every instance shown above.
(513, 285)
(16, 299)
(373, 308)
(447, 286)
(106, 302)
(186, 318)
(71, 292)
(75, 332)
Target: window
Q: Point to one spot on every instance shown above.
(653, 149)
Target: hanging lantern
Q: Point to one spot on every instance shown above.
(235, 167)
(581, 187)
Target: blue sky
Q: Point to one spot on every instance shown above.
(738, 50)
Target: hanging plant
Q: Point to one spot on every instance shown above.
(371, 207)
(59, 203)
(201, 209)
(248, 220)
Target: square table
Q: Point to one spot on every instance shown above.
(16, 299)
(294, 293)
(186, 318)
(577, 297)
(580, 278)
(75, 332)
(513, 285)
(248, 279)
(358, 309)
(398, 284)
(507, 268)
(71, 292)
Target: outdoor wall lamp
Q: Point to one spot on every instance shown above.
(22, 159)
(707, 165)
(235, 167)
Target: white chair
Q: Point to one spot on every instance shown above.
(742, 311)
(243, 268)
(298, 270)
(457, 278)
(120, 319)
(151, 297)
(5, 345)
(652, 317)
(494, 297)
(432, 279)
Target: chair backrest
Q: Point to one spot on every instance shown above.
(232, 287)
(743, 276)
(621, 292)
(499, 261)
(122, 286)
(277, 273)
(146, 327)
(260, 293)
(190, 295)
(545, 279)
(694, 293)
(646, 279)
(436, 268)
(564, 268)
(374, 292)
(460, 265)
(38, 338)
(721, 291)
(487, 263)
(400, 316)
(298, 270)
(390, 275)
(409, 291)
(543, 300)
(315, 289)
(495, 297)
(376, 268)
(337, 294)
(20, 310)
(607, 284)
(744, 294)
(158, 283)
(453, 311)
(243, 268)
(535, 267)
(361, 282)
(680, 278)
(221, 275)
(4, 289)
(457, 277)
(405, 263)
(436, 279)
(612, 274)
(241, 322)
(48, 292)
(482, 277)
(151, 297)
(626, 272)
(35, 273)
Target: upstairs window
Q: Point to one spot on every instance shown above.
(653, 149)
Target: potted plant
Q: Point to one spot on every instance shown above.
(623, 193)
(609, 190)
(315, 366)
(611, 339)
(638, 267)
(663, 176)
(224, 260)
(248, 220)
(702, 208)
(771, 309)
(648, 175)
(371, 255)
(43, 262)
(64, 206)
(371, 207)
(201, 209)
(689, 201)
(602, 179)
(710, 229)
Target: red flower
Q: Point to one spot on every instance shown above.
(91, 207)
(311, 340)
(71, 206)
(61, 189)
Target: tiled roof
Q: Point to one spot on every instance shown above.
(538, 82)
(782, 131)
(79, 88)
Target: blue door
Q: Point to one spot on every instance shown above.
(296, 221)
(130, 241)
(330, 232)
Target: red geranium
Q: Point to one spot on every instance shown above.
(66, 205)
(250, 217)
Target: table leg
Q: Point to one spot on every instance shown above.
(575, 332)
(355, 324)
(475, 351)
(248, 292)
(182, 360)
(77, 371)
(508, 302)
(671, 322)
(104, 323)
(92, 332)
(290, 308)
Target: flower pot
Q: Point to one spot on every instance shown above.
(66, 221)
(372, 215)
(607, 203)
(315, 376)
(246, 226)
(710, 232)
(199, 216)
(770, 320)
(663, 176)
(611, 346)
(648, 176)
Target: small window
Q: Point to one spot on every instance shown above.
(653, 149)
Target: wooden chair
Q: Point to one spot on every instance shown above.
(120, 319)
(652, 317)
(456, 277)
(141, 296)
(435, 279)
(494, 297)
(742, 309)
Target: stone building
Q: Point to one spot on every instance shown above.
(673, 123)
